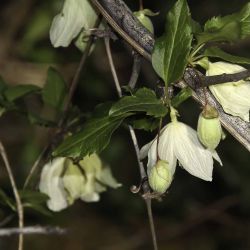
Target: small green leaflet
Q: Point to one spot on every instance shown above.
(144, 100)
(54, 91)
(170, 55)
(93, 137)
(181, 97)
(218, 53)
(19, 91)
(229, 28)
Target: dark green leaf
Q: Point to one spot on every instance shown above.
(94, 137)
(13, 93)
(147, 124)
(228, 28)
(218, 53)
(38, 207)
(170, 55)
(33, 196)
(38, 120)
(54, 91)
(6, 200)
(144, 100)
(182, 96)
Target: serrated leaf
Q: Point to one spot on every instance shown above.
(182, 96)
(19, 91)
(93, 137)
(229, 28)
(219, 53)
(54, 91)
(144, 100)
(170, 54)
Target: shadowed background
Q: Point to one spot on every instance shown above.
(193, 215)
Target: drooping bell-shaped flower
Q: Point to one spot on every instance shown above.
(177, 141)
(75, 16)
(64, 182)
(233, 96)
(209, 127)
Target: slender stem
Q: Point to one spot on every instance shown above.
(61, 123)
(16, 194)
(141, 4)
(112, 67)
(145, 186)
(151, 223)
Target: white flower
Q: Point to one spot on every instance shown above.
(64, 182)
(51, 184)
(75, 16)
(234, 97)
(180, 142)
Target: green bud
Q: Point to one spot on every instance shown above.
(160, 177)
(209, 128)
(145, 21)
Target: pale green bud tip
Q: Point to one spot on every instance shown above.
(210, 112)
(160, 177)
(209, 129)
(144, 20)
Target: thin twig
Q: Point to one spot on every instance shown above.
(61, 124)
(16, 194)
(32, 230)
(145, 185)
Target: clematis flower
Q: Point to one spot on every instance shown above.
(180, 142)
(233, 96)
(75, 16)
(64, 182)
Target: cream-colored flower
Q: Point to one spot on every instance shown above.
(51, 184)
(75, 16)
(64, 182)
(180, 142)
(233, 96)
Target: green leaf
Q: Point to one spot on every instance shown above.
(38, 207)
(33, 196)
(54, 91)
(6, 200)
(228, 28)
(147, 124)
(170, 55)
(182, 96)
(218, 53)
(93, 137)
(13, 93)
(144, 100)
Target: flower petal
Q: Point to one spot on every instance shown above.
(51, 184)
(192, 156)
(76, 14)
(234, 96)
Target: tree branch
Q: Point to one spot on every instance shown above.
(119, 16)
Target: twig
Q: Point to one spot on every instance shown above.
(145, 186)
(32, 230)
(61, 124)
(16, 194)
(135, 70)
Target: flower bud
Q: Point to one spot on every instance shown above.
(209, 128)
(142, 16)
(160, 177)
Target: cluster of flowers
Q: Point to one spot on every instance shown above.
(195, 150)
(64, 182)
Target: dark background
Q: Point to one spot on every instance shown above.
(193, 215)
